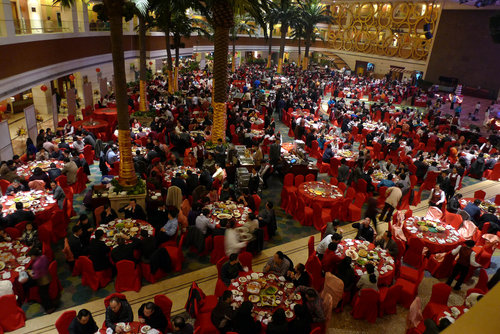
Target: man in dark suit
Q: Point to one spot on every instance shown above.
(99, 252)
(421, 168)
(147, 245)
(123, 251)
(133, 210)
(267, 217)
(386, 242)
(19, 215)
(178, 181)
(75, 243)
(191, 182)
(344, 171)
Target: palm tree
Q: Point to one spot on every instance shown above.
(220, 14)
(271, 18)
(312, 13)
(142, 60)
(114, 10)
(287, 13)
(298, 33)
(241, 25)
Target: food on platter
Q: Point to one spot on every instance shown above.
(254, 298)
(224, 216)
(145, 329)
(440, 229)
(289, 314)
(363, 253)
(272, 276)
(352, 254)
(297, 296)
(431, 224)
(268, 300)
(242, 279)
(421, 222)
(271, 290)
(252, 287)
(289, 285)
(373, 255)
(362, 261)
(424, 228)
(2, 265)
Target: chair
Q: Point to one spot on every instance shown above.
(414, 319)
(433, 213)
(355, 208)
(4, 184)
(176, 255)
(497, 199)
(165, 304)
(313, 267)
(97, 215)
(439, 300)
(453, 219)
(298, 180)
(37, 185)
(148, 275)
(482, 282)
(292, 203)
(413, 255)
(320, 217)
(483, 257)
(55, 286)
(366, 305)
(90, 277)
(88, 154)
(480, 194)
(12, 316)
(128, 277)
(304, 214)
(64, 320)
(334, 181)
(439, 266)
(410, 286)
(310, 177)
(246, 259)
(59, 225)
(334, 287)
(13, 232)
(288, 187)
(257, 200)
(389, 299)
(351, 193)
(218, 251)
(220, 286)
(342, 186)
(310, 246)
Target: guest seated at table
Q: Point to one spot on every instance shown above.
(299, 275)
(368, 280)
(278, 324)
(190, 160)
(387, 167)
(331, 258)
(203, 222)
(87, 229)
(333, 227)
(58, 193)
(83, 323)
(40, 276)
(365, 231)
(42, 154)
(279, 264)
(437, 197)
(89, 138)
(466, 260)
(209, 164)
(453, 204)
(223, 313)
(386, 182)
(346, 273)
(169, 230)
(147, 245)
(124, 251)
(99, 252)
(75, 242)
(4, 236)
(328, 154)
(63, 146)
(19, 215)
(313, 303)
(472, 208)
(247, 200)
(15, 187)
(30, 235)
(152, 315)
(226, 193)
(108, 214)
(70, 169)
(53, 172)
(231, 269)
(323, 244)
(180, 326)
(178, 181)
(57, 154)
(30, 149)
(69, 129)
(8, 171)
(386, 242)
(243, 322)
(133, 210)
(302, 321)
(490, 217)
(119, 310)
(232, 243)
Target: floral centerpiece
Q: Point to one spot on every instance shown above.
(117, 189)
(21, 132)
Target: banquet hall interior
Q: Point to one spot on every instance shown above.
(249, 166)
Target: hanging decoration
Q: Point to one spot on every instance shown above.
(43, 88)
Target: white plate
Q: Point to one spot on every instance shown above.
(19, 269)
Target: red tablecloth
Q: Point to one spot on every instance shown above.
(107, 114)
(132, 227)
(26, 170)
(449, 312)
(384, 264)
(483, 206)
(263, 312)
(41, 204)
(238, 212)
(13, 256)
(319, 192)
(135, 328)
(170, 173)
(96, 125)
(436, 242)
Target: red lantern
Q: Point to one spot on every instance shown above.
(43, 88)
(98, 70)
(71, 77)
(150, 63)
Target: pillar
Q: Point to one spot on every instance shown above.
(43, 100)
(8, 27)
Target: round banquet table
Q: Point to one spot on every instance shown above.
(135, 328)
(96, 125)
(258, 283)
(436, 242)
(382, 261)
(14, 260)
(170, 173)
(42, 204)
(131, 228)
(483, 206)
(319, 192)
(107, 114)
(26, 170)
(228, 210)
(451, 311)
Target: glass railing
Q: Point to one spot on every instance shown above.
(24, 27)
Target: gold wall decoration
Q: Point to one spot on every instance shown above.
(394, 29)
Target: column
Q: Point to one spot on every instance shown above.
(43, 100)
(74, 17)
(8, 28)
(85, 12)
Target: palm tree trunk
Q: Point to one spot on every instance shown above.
(221, 46)
(306, 52)
(270, 45)
(300, 55)
(169, 60)
(127, 173)
(142, 64)
(284, 30)
(176, 69)
(233, 63)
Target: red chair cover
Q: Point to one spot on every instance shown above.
(165, 304)
(12, 316)
(3, 185)
(310, 246)
(388, 299)
(299, 179)
(220, 287)
(88, 153)
(128, 277)
(148, 276)
(482, 282)
(90, 277)
(410, 287)
(176, 254)
(413, 255)
(310, 177)
(480, 194)
(257, 200)
(313, 267)
(366, 305)
(439, 300)
(439, 266)
(246, 259)
(414, 314)
(64, 320)
(219, 251)
(13, 232)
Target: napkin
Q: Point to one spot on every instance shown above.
(153, 331)
(359, 271)
(238, 299)
(24, 249)
(236, 284)
(6, 275)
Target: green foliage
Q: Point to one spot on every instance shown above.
(139, 188)
(144, 114)
(257, 61)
